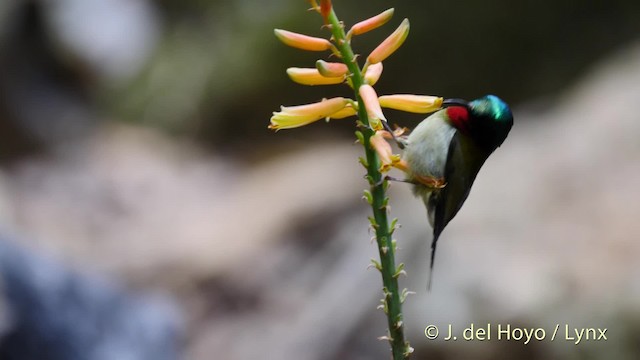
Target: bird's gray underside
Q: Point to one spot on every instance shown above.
(438, 150)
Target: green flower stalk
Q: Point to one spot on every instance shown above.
(372, 133)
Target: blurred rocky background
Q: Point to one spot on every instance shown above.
(141, 191)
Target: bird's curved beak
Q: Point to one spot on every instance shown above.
(454, 102)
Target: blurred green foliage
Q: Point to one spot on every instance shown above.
(218, 72)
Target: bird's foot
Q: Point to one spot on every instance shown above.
(390, 178)
(430, 182)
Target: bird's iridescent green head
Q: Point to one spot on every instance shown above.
(487, 120)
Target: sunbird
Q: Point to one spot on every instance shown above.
(445, 151)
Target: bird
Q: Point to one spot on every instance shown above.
(445, 152)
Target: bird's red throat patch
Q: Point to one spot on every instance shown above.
(459, 117)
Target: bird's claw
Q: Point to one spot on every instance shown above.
(381, 181)
(431, 182)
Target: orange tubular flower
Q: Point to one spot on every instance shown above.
(303, 42)
(325, 9)
(371, 104)
(373, 73)
(421, 104)
(290, 117)
(390, 44)
(344, 113)
(308, 76)
(331, 69)
(387, 158)
(371, 23)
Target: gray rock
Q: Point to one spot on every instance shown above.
(48, 312)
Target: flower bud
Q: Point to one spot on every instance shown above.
(325, 9)
(308, 76)
(373, 73)
(371, 104)
(303, 42)
(331, 69)
(344, 113)
(390, 44)
(421, 104)
(296, 116)
(372, 23)
(384, 151)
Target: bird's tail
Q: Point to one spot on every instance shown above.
(434, 242)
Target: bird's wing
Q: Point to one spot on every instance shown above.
(464, 160)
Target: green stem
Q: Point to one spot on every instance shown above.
(386, 246)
